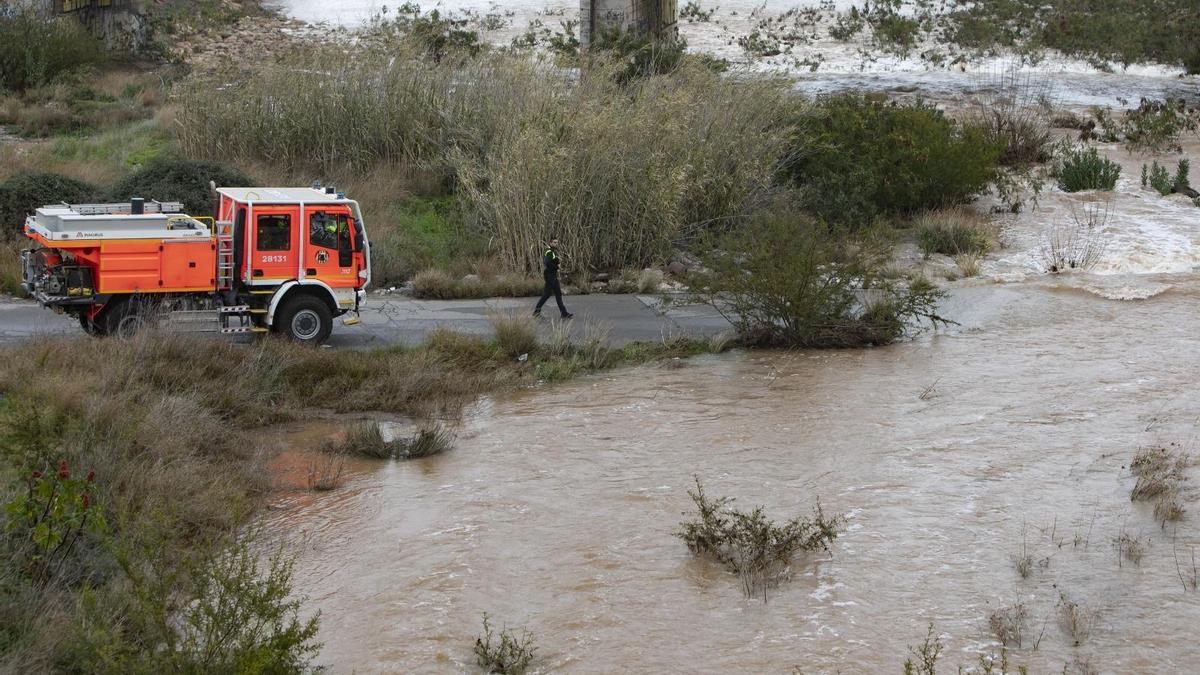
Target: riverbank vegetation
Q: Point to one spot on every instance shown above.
(127, 467)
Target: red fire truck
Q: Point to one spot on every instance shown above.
(279, 259)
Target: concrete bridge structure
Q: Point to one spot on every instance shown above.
(657, 17)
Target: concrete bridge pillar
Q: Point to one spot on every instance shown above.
(657, 17)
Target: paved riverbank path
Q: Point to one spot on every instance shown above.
(395, 319)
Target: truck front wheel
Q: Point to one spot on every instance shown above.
(306, 319)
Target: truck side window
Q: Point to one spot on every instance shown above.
(274, 232)
(324, 229)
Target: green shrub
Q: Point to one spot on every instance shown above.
(37, 49)
(179, 180)
(1181, 181)
(413, 234)
(787, 281)
(22, 193)
(237, 620)
(954, 232)
(1085, 169)
(1158, 178)
(854, 158)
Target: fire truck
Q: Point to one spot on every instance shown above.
(270, 259)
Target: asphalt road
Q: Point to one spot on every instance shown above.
(392, 319)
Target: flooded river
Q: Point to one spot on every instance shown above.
(951, 457)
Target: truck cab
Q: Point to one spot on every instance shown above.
(301, 254)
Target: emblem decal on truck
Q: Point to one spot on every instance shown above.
(322, 257)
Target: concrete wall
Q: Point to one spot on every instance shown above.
(643, 16)
(118, 23)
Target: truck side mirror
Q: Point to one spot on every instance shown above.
(358, 236)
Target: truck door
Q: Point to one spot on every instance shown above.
(276, 241)
(329, 252)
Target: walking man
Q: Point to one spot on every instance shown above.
(550, 274)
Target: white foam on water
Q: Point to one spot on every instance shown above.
(840, 66)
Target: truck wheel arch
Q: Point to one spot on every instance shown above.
(318, 289)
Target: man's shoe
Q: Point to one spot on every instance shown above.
(568, 315)
(537, 313)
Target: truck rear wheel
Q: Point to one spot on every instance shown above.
(305, 319)
(90, 327)
(123, 318)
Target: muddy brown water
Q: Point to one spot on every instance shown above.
(556, 509)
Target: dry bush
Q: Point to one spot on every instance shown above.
(10, 267)
(650, 281)
(1077, 620)
(367, 440)
(516, 334)
(438, 284)
(968, 264)
(1015, 116)
(1160, 473)
(1078, 245)
(506, 653)
(1129, 548)
(1008, 623)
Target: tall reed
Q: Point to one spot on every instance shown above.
(619, 171)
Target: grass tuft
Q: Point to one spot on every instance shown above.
(1160, 472)
(955, 232)
(516, 334)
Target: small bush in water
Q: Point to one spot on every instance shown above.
(504, 653)
(756, 549)
(1087, 170)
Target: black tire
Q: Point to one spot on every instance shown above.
(90, 327)
(304, 319)
(123, 318)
